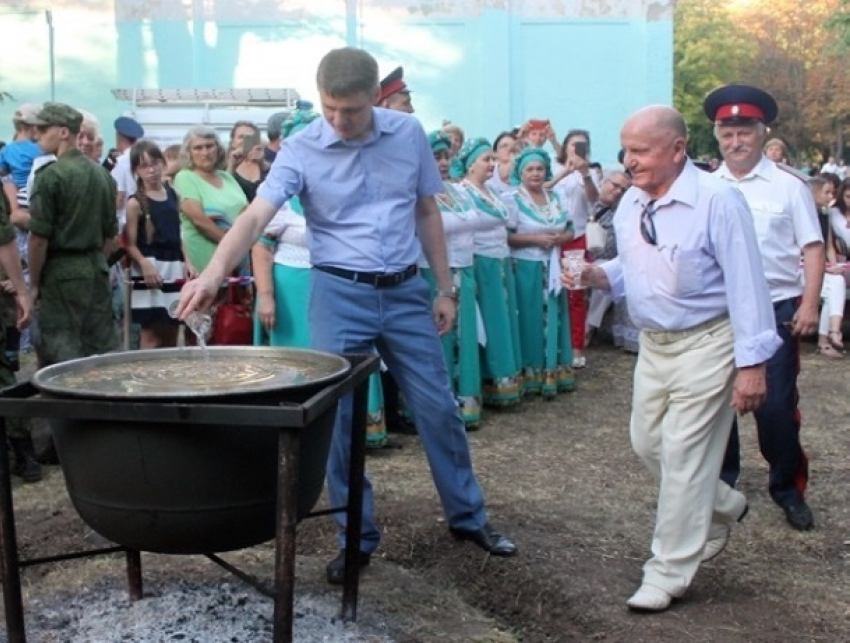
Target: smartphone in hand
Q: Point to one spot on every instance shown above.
(250, 142)
(580, 148)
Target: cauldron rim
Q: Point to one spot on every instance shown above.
(337, 367)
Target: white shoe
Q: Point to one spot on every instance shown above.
(649, 599)
(579, 362)
(718, 537)
(715, 544)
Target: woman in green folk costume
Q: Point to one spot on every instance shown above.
(541, 226)
(281, 262)
(501, 363)
(460, 345)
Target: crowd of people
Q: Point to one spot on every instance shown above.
(444, 253)
(510, 207)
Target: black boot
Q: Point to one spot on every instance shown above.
(26, 466)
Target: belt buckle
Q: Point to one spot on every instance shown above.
(388, 280)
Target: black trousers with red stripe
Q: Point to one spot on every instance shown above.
(778, 420)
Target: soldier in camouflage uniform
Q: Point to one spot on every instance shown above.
(17, 429)
(72, 230)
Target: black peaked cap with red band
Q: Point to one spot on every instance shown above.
(739, 105)
(393, 84)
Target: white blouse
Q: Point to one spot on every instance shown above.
(838, 222)
(491, 238)
(533, 219)
(460, 223)
(290, 230)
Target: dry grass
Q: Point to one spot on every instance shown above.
(562, 481)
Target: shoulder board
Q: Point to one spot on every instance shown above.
(794, 172)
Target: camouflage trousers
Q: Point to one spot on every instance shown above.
(74, 311)
(15, 427)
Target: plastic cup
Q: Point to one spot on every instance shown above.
(574, 262)
(199, 323)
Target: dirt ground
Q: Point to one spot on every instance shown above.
(562, 481)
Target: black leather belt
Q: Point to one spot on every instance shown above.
(375, 279)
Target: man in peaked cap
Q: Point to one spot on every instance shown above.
(786, 225)
(396, 96)
(127, 132)
(394, 92)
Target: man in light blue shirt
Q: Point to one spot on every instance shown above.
(690, 268)
(366, 179)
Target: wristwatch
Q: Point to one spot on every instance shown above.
(451, 293)
(585, 177)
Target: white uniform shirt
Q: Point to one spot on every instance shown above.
(706, 264)
(126, 183)
(785, 219)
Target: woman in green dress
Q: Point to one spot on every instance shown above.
(540, 226)
(210, 198)
(501, 362)
(460, 344)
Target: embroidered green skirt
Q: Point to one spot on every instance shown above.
(460, 346)
(291, 298)
(544, 331)
(501, 361)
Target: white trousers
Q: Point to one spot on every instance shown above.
(681, 417)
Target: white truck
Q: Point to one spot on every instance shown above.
(166, 114)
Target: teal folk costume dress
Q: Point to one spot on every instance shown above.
(544, 321)
(286, 235)
(460, 345)
(501, 360)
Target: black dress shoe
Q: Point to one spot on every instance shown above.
(488, 539)
(799, 516)
(400, 425)
(336, 568)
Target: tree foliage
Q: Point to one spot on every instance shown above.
(708, 46)
(797, 51)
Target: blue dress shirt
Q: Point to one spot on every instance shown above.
(706, 263)
(359, 197)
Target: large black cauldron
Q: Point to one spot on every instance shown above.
(183, 488)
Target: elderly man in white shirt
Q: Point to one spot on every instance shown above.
(690, 269)
(786, 225)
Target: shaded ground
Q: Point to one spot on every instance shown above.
(562, 481)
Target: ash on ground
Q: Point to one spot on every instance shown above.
(186, 612)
